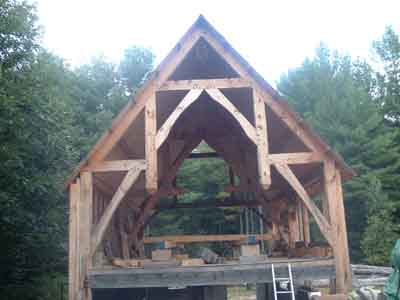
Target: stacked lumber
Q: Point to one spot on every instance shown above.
(363, 275)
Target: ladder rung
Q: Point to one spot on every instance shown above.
(284, 292)
(282, 278)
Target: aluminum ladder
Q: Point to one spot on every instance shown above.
(281, 279)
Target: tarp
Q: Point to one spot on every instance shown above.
(392, 286)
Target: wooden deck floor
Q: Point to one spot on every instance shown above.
(219, 274)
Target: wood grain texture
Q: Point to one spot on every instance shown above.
(74, 197)
(129, 179)
(264, 170)
(150, 120)
(291, 178)
(165, 129)
(233, 274)
(219, 83)
(205, 238)
(220, 98)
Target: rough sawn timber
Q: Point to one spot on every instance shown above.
(228, 274)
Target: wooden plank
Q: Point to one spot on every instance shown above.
(85, 227)
(115, 165)
(333, 193)
(204, 155)
(219, 83)
(293, 228)
(74, 197)
(165, 129)
(150, 120)
(291, 178)
(220, 98)
(342, 231)
(202, 203)
(192, 262)
(260, 118)
(306, 225)
(129, 179)
(295, 158)
(229, 274)
(180, 239)
(161, 254)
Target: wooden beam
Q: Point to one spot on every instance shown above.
(306, 225)
(167, 179)
(295, 158)
(334, 198)
(165, 129)
(150, 145)
(85, 227)
(276, 106)
(293, 227)
(116, 165)
(129, 179)
(260, 119)
(208, 275)
(183, 239)
(220, 98)
(291, 178)
(204, 155)
(224, 83)
(228, 202)
(342, 231)
(73, 282)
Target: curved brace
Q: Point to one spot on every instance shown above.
(247, 127)
(130, 178)
(291, 178)
(165, 129)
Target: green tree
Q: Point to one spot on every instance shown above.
(334, 95)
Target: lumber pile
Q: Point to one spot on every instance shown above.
(363, 275)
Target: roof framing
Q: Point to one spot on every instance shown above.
(158, 80)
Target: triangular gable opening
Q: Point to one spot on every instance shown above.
(203, 62)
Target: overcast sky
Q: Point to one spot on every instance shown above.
(272, 35)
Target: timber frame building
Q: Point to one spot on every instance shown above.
(202, 91)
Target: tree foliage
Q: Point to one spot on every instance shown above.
(51, 115)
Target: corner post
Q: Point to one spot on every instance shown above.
(151, 148)
(85, 228)
(334, 198)
(260, 121)
(73, 278)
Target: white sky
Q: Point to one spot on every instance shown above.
(272, 35)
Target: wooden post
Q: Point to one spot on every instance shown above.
(333, 193)
(299, 217)
(306, 225)
(293, 227)
(342, 231)
(74, 196)
(260, 120)
(151, 149)
(85, 226)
